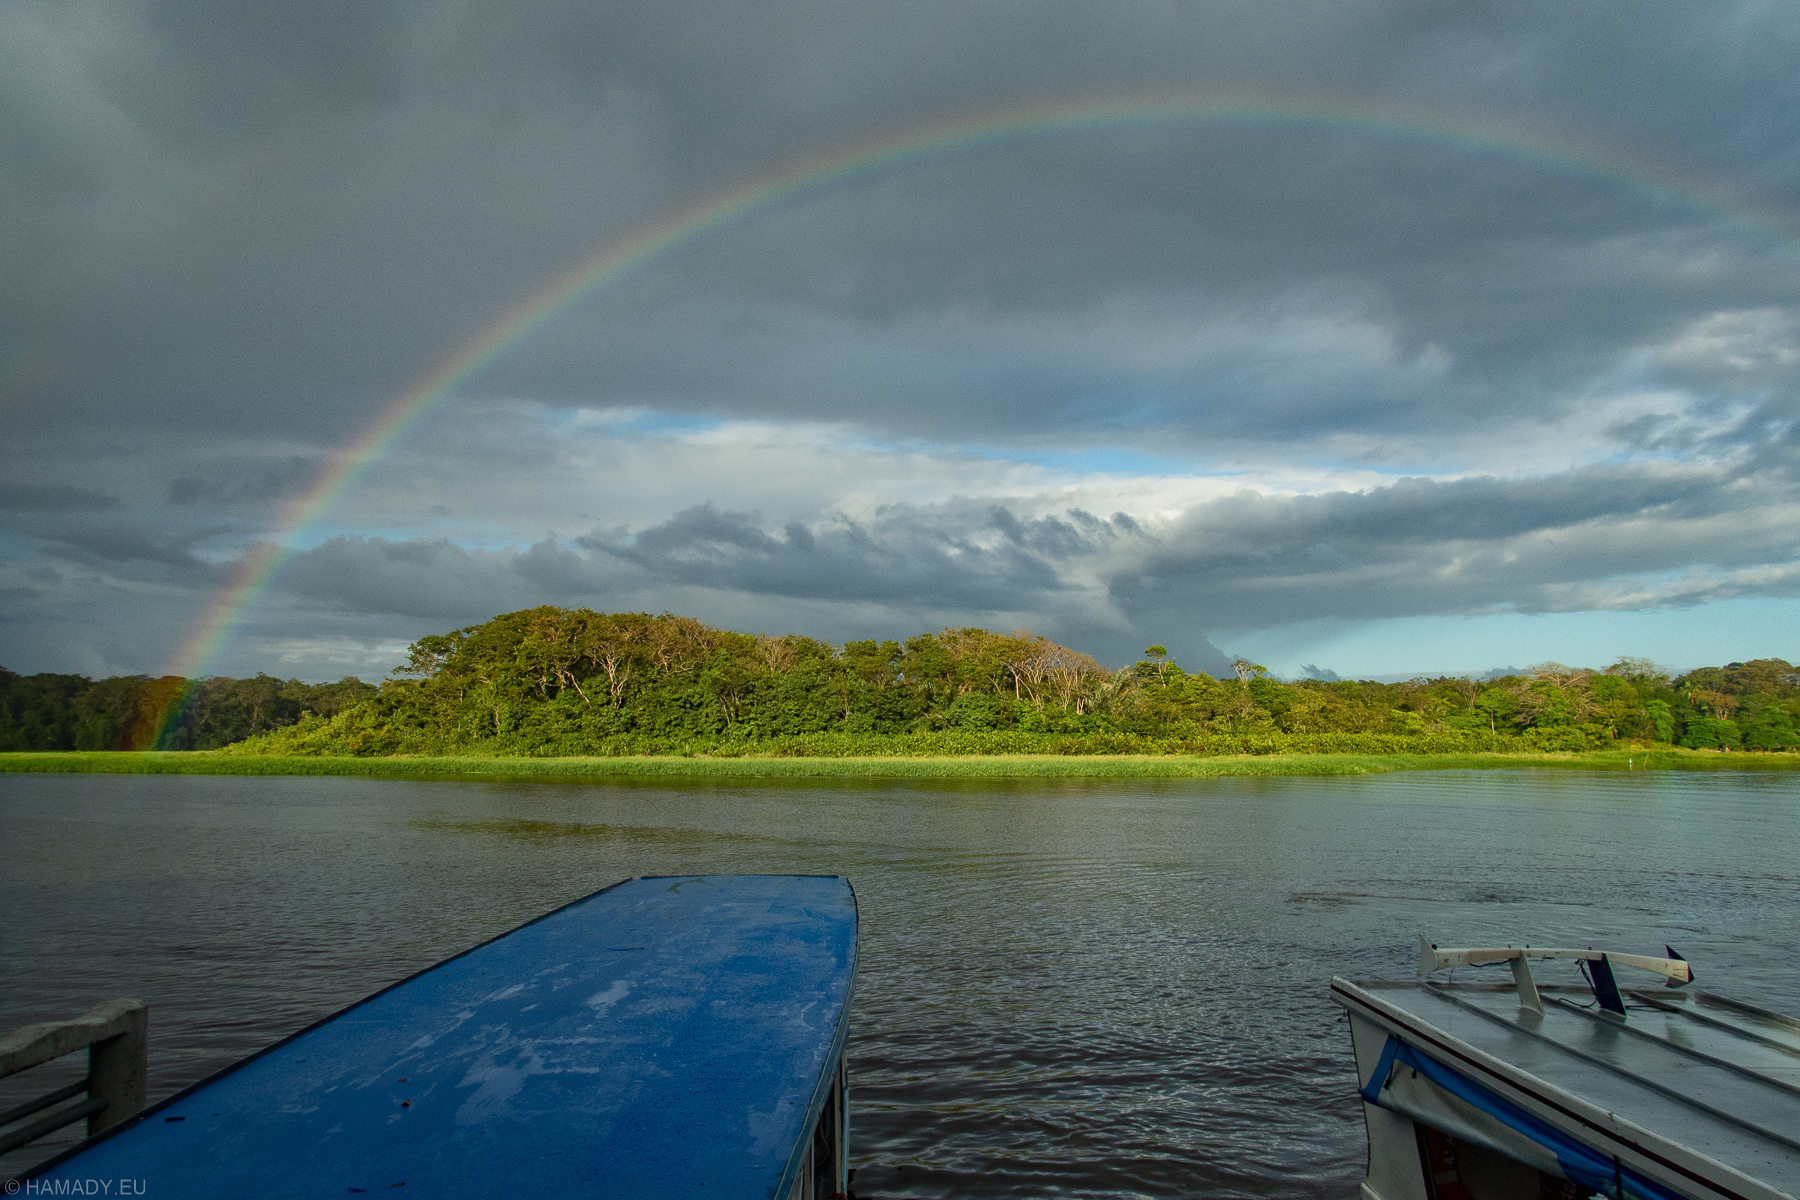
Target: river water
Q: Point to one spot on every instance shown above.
(1067, 988)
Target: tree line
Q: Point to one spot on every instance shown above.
(138, 712)
(558, 681)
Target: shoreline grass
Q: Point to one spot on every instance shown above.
(996, 766)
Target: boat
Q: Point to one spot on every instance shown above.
(664, 1036)
(1474, 1089)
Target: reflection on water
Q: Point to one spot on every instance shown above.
(1074, 988)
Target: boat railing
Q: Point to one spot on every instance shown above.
(115, 1033)
(1596, 966)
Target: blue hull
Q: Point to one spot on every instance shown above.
(663, 1036)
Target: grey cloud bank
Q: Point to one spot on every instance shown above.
(1363, 373)
(1626, 540)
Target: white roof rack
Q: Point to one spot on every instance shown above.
(1433, 958)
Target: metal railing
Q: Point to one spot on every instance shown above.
(115, 1034)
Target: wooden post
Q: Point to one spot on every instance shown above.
(118, 1070)
(115, 1033)
(841, 1158)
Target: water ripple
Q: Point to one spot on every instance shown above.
(1067, 988)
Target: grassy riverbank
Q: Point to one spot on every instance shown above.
(1123, 766)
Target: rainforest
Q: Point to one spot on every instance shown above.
(555, 682)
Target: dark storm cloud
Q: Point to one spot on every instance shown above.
(237, 231)
(1596, 538)
(281, 217)
(434, 579)
(1415, 547)
(241, 485)
(1600, 537)
(989, 561)
(133, 551)
(1185, 333)
(966, 558)
(907, 571)
(1411, 512)
(37, 497)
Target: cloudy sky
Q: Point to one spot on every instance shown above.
(1470, 339)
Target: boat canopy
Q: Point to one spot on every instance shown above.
(1688, 1094)
(664, 1036)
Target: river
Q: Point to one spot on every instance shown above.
(1073, 988)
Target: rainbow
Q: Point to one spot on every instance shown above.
(1651, 182)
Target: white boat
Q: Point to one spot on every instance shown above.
(1518, 1090)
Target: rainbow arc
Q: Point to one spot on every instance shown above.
(1651, 182)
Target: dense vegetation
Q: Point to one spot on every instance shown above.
(550, 681)
(136, 712)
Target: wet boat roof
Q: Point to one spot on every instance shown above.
(1698, 1070)
(663, 1034)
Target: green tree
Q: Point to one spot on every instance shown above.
(1498, 705)
(1717, 733)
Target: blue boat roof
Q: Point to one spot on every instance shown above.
(663, 1036)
